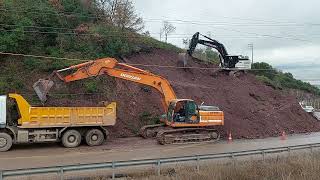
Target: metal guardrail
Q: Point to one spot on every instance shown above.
(60, 170)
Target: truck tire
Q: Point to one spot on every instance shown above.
(71, 138)
(94, 137)
(5, 142)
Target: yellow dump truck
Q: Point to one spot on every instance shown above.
(53, 124)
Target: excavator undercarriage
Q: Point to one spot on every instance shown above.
(168, 135)
(187, 135)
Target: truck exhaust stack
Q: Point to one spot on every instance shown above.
(42, 88)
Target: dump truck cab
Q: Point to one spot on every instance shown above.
(7, 134)
(3, 111)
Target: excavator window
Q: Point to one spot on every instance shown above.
(170, 111)
(184, 111)
(179, 112)
(191, 112)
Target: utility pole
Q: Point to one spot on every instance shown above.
(251, 46)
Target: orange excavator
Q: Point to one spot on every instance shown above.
(184, 121)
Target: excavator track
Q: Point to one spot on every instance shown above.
(150, 131)
(187, 135)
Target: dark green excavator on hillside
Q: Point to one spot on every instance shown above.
(226, 61)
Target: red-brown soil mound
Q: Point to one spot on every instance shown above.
(252, 109)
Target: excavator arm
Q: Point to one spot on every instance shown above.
(111, 67)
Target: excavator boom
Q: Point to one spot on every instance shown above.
(111, 67)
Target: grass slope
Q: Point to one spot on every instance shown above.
(280, 80)
(78, 36)
(300, 167)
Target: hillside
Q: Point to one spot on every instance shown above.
(252, 109)
(278, 79)
(65, 29)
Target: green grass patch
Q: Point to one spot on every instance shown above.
(277, 79)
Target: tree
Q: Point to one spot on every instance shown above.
(147, 33)
(167, 29)
(186, 42)
(211, 56)
(265, 69)
(120, 13)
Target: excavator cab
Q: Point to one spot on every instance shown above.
(183, 112)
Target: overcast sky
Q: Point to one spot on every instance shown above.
(285, 33)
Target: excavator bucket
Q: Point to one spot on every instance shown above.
(42, 87)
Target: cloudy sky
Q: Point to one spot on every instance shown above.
(285, 33)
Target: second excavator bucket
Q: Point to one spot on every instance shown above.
(42, 87)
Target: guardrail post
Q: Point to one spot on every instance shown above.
(233, 159)
(311, 148)
(198, 164)
(289, 151)
(232, 156)
(1, 175)
(263, 155)
(113, 169)
(61, 173)
(158, 168)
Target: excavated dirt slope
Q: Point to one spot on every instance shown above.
(252, 109)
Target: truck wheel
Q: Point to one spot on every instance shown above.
(94, 137)
(5, 142)
(71, 138)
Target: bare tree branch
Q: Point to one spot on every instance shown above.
(167, 29)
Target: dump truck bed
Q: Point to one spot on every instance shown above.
(42, 117)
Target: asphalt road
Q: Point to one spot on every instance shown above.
(43, 155)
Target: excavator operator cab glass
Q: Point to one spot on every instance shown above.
(170, 111)
(191, 112)
(182, 111)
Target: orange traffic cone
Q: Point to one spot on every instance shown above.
(283, 135)
(230, 137)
